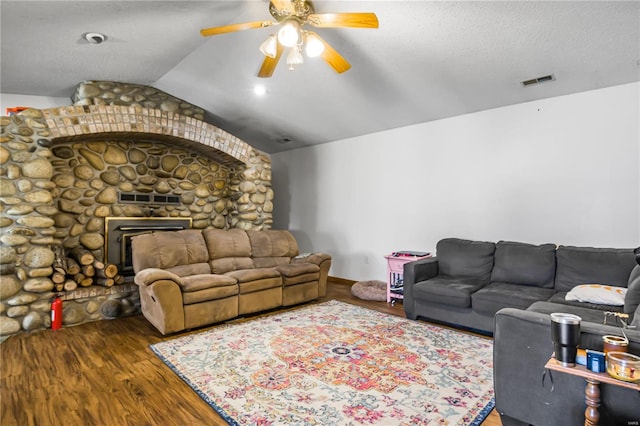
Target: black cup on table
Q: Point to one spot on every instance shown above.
(565, 334)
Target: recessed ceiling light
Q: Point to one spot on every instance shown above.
(259, 89)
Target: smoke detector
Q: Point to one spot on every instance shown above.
(94, 38)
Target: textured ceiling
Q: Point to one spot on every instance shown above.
(427, 61)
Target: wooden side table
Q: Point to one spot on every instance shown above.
(592, 390)
(395, 273)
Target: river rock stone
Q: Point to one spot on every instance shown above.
(76, 230)
(43, 241)
(114, 155)
(63, 152)
(110, 177)
(111, 309)
(63, 180)
(32, 321)
(46, 210)
(7, 255)
(20, 210)
(38, 197)
(63, 220)
(107, 196)
(136, 156)
(72, 314)
(103, 211)
(92, 240)
(5, 221)
(35, 222)
(71, 194)
(95, 224)
(40, 272)
(17, 311)
(13, 171)
(169, 162)
(180, 172)
(5, 155)
(9, 286)
(22, 299)
(39, 285)
(8, 326)
(97, 146)
(70, 207)
(83, 172)
(38, 257)
(7, 187)
(13, 240)
(128, 172)
(94, 159)
(39, 168)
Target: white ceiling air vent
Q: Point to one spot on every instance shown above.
(538, 80)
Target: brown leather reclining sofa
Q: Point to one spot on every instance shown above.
(193, 278)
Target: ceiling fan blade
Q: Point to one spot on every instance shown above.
(332, 57)
(283, 5)
(350, 20)
(235, 27)
(269, 63)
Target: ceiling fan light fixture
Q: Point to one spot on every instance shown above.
(294, 57)
(269, 47)
(289, 34)
(313, 46)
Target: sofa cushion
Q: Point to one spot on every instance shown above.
(586, 314)
(447, 290)
(202, 281)
(228, 250)
(205, 287)
(298, 273)
(168, 249)
(560, 299)
(272, 243)
(247, 275)
(524, 264)
(465, 258)
(497, 295)
(588, 265)
(632, 299)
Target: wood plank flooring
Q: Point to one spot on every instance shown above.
(103, 373)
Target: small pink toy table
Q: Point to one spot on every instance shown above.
(395, 274)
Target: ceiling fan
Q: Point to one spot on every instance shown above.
(292, 15)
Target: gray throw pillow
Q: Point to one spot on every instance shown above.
(524, 264)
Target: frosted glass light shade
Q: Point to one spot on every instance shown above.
(289, 34)
(313, 46)
(269, 46)
(294, 57)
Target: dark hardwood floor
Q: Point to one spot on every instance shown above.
(103, 373)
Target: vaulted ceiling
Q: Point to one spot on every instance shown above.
(428, 60)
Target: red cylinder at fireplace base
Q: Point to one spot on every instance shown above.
(56, 313)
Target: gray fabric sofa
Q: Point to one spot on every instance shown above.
(467, 282)
(510, 289)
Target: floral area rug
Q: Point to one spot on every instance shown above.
(336, 364)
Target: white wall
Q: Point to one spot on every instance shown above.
(562, 170)
(8, 100)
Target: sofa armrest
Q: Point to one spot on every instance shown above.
(522, 346)
(316, 258)
(150, 275)
(323, 260)
(420, 270)
(414, 272)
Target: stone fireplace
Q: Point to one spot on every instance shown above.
(124, 159)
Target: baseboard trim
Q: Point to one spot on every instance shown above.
(338, 280)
